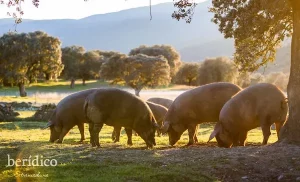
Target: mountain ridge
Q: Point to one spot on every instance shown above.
(127, 29)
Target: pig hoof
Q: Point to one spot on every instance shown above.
(59, 141)
(129, 143)
(190, 143)
(115, 141)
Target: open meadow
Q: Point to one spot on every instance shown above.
(120, 162)
(53, 92)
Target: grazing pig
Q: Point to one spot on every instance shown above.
(201, 104)
(161, 101)
(118, 108)
(67, 114)
(159, 113)
(258, 105)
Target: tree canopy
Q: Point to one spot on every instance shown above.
(188, 74)
(136, 71)
(24, 57)
(72, 57)
(80, 64)
(90, 66)
(167, 51)
(115, 68)
(147, 71)
(220, 69)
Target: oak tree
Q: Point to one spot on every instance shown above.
(147, 71)
(90, 66)
(23, 57)
(72, 57)
(167, 51)
(114, 68)
(220, 69)
(188, 74)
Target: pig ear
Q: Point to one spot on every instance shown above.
(283, 103)
(48, 125)
(217, 129)
(165, 127)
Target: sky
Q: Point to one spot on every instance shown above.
(75, 9)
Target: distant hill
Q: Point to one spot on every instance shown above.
(198, 52)
(124, 30)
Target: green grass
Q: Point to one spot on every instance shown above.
(110, 162)
(59, 86)
(53, 92)
(38, 90)
(25, 114)
(64, 86)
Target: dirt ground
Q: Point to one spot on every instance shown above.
(276, 162)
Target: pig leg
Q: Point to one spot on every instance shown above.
(242, 138)
(135, 133)
(117, 131)
(266, 132)
(278, 128)
(113, 135)
(129, 136)
(81, 130)
(235, 139)
(158, 133)
(196, 132)
(91, 128)
(96, 130)
(191, 130)
(63, 134)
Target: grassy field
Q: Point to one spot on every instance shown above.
(119, 162)
(111, 162)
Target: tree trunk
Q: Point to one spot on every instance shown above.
(83, 82)
(30, 80)
(190, 81)
(22, 90)
(290, 133)
(72, 83)
(48, 76)
(137, 91)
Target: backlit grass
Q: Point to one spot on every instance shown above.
(110, 162)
